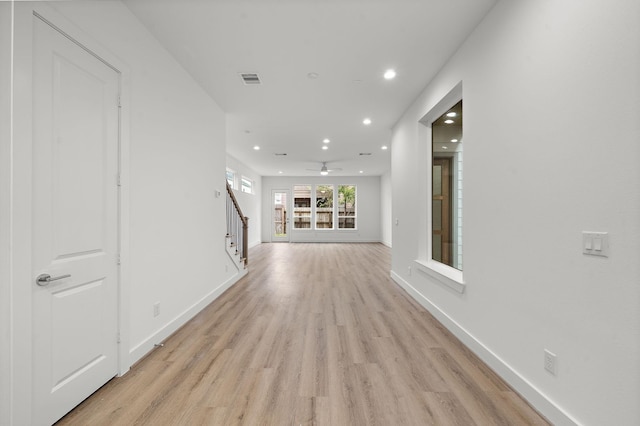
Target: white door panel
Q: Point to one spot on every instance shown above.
(75, 223)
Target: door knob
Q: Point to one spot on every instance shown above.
(44, 279)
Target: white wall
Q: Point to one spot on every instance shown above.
(251, 204)
(173, 139)
(367, 205)
(386, 219)
(551, 105)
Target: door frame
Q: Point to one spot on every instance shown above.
(272, 237)
(18, 358)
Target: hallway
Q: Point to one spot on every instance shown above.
(314, 334)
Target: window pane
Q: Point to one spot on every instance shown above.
(230, 178)
(324, 207)
(446, 184)
(346, 206)
(302, 206)
(247, 185)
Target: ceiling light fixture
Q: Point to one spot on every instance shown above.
(448, 121)
(390, 74)
(326, 140)
(324, 147)
(451, 114)
(454, 140)
(279, 172)
(366, 121)
(324, 171)
(257, 148)
(361, 171)
(384, 147)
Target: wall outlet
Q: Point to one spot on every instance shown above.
(156, 309)
(550, 362)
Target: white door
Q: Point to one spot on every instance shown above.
(280, 215)
(75, 223)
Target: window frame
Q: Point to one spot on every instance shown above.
(232, 184)
(445, 274)
(311, 211)
(244, 179)
(316, 207)
(355, 212)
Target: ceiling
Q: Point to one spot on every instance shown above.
(321, 66)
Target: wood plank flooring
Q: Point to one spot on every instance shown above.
(315, 334)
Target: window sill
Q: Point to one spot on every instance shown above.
(446, 275)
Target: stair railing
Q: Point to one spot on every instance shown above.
(237, 226)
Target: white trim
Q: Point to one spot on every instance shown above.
(6, 219)
(172, 326)
(445, 274)
(520, 384)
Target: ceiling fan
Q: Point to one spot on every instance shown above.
(324, 170)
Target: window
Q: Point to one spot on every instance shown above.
(346, 207)
(324, 207)
(302, 207)
(247, 185)
(231, 178)
(446, 185)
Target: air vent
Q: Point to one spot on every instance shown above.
(280, 154)
(250, 78)
(365, 153)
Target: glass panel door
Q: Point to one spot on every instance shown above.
(280, 212)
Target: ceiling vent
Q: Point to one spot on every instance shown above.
(280, 154)
(250, 79)
(365, 153)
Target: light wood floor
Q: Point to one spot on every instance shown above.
(315, 334)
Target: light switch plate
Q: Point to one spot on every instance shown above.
(595, 243)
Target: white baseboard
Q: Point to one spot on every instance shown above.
(386, 243)
(520, 384)
(147, 345)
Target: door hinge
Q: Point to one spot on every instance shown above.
(119, 102)
(118, 180)
(118, 258)
(118, 337)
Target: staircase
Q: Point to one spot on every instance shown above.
(237, 232)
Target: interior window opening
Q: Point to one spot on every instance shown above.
(446, 201)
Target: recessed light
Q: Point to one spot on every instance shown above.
(444, 147)
(454, 140)
(326, 140)
(390, 74)
(279, 172)
(366, 121)
(361, 171)
(448, 121)
(257, 148)
(384, 147)
(325, 147)
(451, 114)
